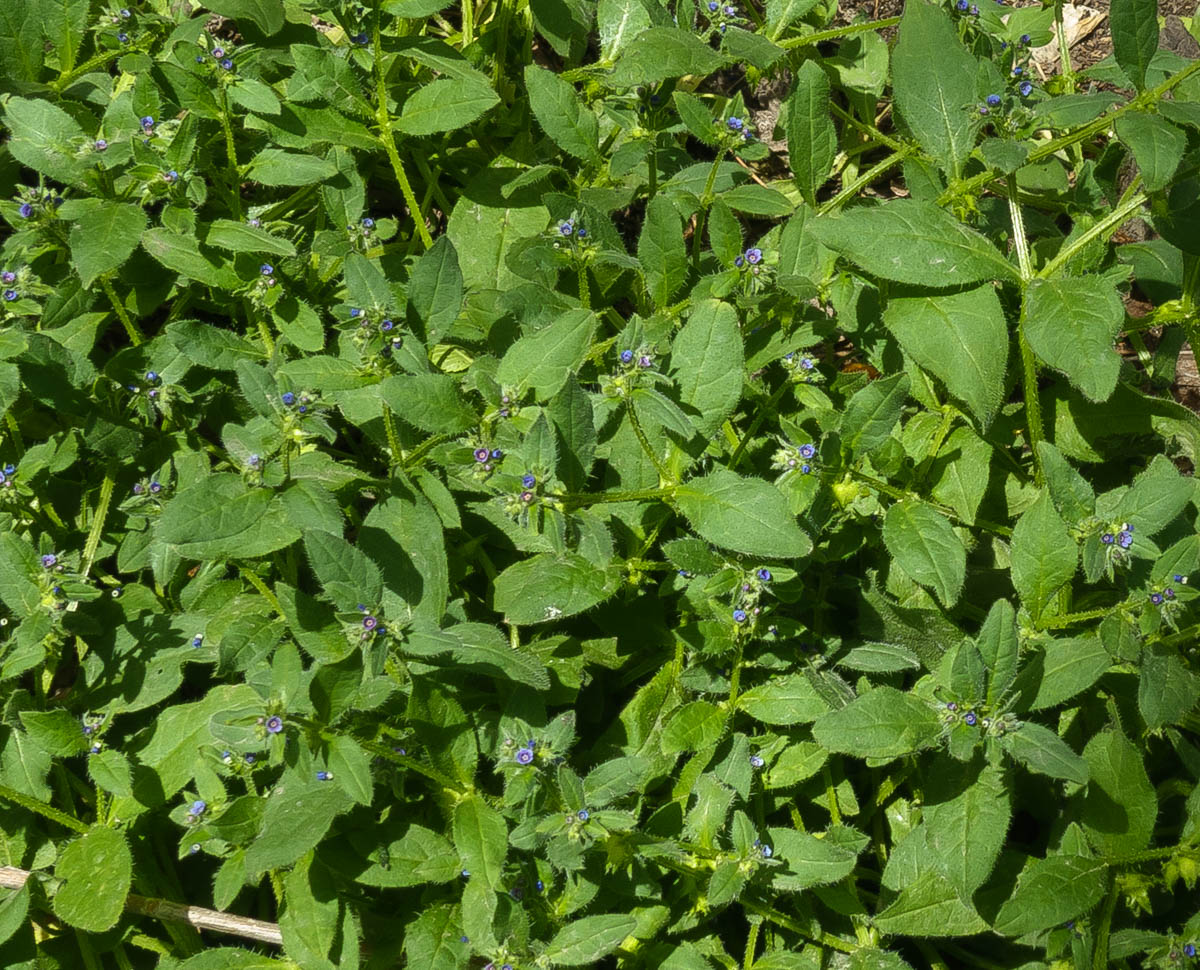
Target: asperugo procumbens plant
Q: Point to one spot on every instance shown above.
(481, 486)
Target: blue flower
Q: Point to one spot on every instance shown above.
(49, 560)
(481, 454)
(993, 100)
(807, 451)
(171, 176)
(26, 210)
(806, 363)
(369, 623)
(735, 124)
(125, 13)
(368, 222)
(324, 776)
(496, 454)
(626, 356)
(764, 574)
(274, 725)
(1025, 38)
(266, 269)
(739, 261)
(805, 468)
(123, 37)
(766, 852)
(739, 616)
(386, 325)
(644, 361)
(581, 232)
(10, 295)
(1125, 538)
(753, 255)
(254, 223)
(566, 228)
(147, 122)
(1026, 88)
(1156, 598)
(1107, 538)
(528, 480)
(464, 939)
(1177, 577)
(198, 807)
(756, 761)
(249, 757)
(730, 11)
(583, 815)
(361, 39)
(218, 53)
(198, 640)
(713, 5)
(155, 488)
(970, 718)
(288, 398)
(1189, 949)
(1169, 593)
(1018, 71)
(8, 276)
(199, 58)
(524, 756)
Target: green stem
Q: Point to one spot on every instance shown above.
(652, 165)
(264, 330)
(389, 427)
(468, 23)
(1020, 242)
(423, 449)
(388, 137)
(702, 216)
(1070, 619)
(663, 474)
(1064, 52)
(255, 581)
(580, 501)
(735, 680)
(781, 919)
(759, 416)
(131, 328)
(41, 808)
(1100, 953)
(851, 189)
(1033, 403)
(585, 296)
(235, 178)
(1108, 224)
(823, 35)
(93, 539)
(751, 945)
(873, 132)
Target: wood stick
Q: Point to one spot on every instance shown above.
(164, 909)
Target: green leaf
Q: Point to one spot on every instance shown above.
(273, 166)
(435, 290)
(1070, 491)
(934, 83)
(420, 856)
(14, 908)
(696, 118)
(925, 546)
(348, 576)
(431, 402)
(21, 49)
(966, 815)
(1120, 808)
(1041, 750)
(544, 360)
(104, 237)
(366, 285)
(662, 252)
(567, 120)
(1051, 891)
(1156, 497)
(1000, 649)
(1044, 555)
(660, 53)
(183, 255)
(1134, 28)
(96, 870)
(786, 699)
(1157, 146)
(545, 587)
(43, 136)
(298, 814)
(743, 514)
(237, 237)
(1068, 667)
(220, 517)
(812, 138)
(445, 104)
(1167, 689)
(481, 837)
(56, 732)
(267, 14)
(930, 906)
(913, 242)
(619, 23)
(706, 363)
(1071, 324)
(882, 723)
(872, 413)
(961, 339)
(351, 768)
(693, 727)
(480, 647)
(584, 941)
(810, 861)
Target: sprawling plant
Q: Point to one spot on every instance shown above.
(482, 486)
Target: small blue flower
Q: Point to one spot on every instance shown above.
(1018, 71)
(368, 222)
(735, 124)
(1025, 38)
(1156, 598)
(361, 39)
(198, 640)
(123, 37)
(713, 5)
(355, 313)
(730, 11)
(26, 210)
(626, 356)
(8, 276)
(482, 454)
(1169, 593)
(155, 488)
(1124, 538)
(993, 100)
(125, 13)
(199, 58)
(1026, 88)
(266, 269)
(805, 468)
(1189, 949)
(288, 398)
(138, 488)
(528, 480)
(369, 623)
(324, 776)
(756, 761)
(566, 228)
(739, 261)
(274, 725)
(524, 756)
(386, 325)
(249, 757)
(496, 454)
(962, 4)
(739, 616)
(218, 53)
(464, 939)
(254, 223)
(581, 232)
(644, 361)
(49, 560)
(970, 718)
(767, 852)
(753, 256)
(171, 176)
(806, 363)
(583, 815)
(1107, 538)
(764, 574)
(10, 295)
(147, 122)
(198, 807)
(466, 874)
(1179, 578)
